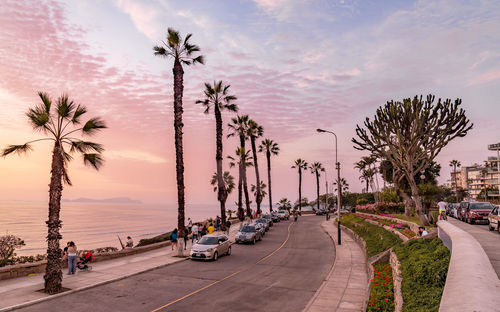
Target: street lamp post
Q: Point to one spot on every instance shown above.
(339, 201)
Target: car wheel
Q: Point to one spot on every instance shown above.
(490, 227)
(216, 256)
(471, 221)
(228, 251)
(254, 241)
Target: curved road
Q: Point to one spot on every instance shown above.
(280, 273)
(489, 240)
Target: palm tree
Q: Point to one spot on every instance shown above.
(217, 96)
(239, 127)
(367, 176)
(60, 126)
(228, 185)
(344, 186)
(316, 168)
(300, 165)
(230, 213)
(455, 163)
(255, 131)
(361, 166)
(271, 148)
(285, 204)
(253, 189)
(241, 154)
(182, 51)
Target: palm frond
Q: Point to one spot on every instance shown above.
(93, 125)
(18, 149)
(94, 160)
(86, 147)
(45, 100)
(173, 38)
(79, 111)
(38, 118)
(64, 106)
(231, 107)
(160, 51)
(66, 178)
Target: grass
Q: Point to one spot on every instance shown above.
(377, 239)
(424, 266)
(153, 240)
(381, 289)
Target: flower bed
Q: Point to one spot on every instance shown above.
(424, 266)
(382, 207)
(381, 289)
(377, 239)
(400, 227)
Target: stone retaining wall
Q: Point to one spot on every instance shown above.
(398, 280)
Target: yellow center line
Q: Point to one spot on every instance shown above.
(229, 276)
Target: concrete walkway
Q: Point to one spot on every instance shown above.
(27, 290)
(345, 289)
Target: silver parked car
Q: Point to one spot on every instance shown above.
(211, 247)
(248, 234)
(260, 227)
(283, 214)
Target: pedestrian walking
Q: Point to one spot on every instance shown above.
(186, 234)
(190, 224)
(173, 238)
(295, 216)
(71, 253)
(217, 223)
(194, 231)
(228, 225)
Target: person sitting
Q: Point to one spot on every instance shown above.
(130, 242)
(422, 231)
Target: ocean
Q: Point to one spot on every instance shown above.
(93, 225)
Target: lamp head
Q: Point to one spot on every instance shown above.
(320, 130)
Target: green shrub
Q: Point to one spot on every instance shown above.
(377, 239)
(153, 240)
(381, 289)
(424, 265)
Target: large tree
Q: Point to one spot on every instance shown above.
(183, 53)
(239, 127)
(455, 163)
(255, 131)
(218, 98)
(300, 165)
(271, 148)
(61, 124)
(241, 155)
(317, 168)
(410, 134)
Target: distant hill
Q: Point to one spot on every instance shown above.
(114, 200)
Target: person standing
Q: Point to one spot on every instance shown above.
(194, 230)
(217, 223)
(190, 224)
(210, 228)
(203, 230)
(71, 257)
(186, 233)
(228, 225)
(173, 238)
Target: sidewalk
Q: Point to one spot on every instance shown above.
(345, 289)
(25, 290)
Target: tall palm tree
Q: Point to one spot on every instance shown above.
(361, 166)
(60, 125)
(455, 163)
(367, 176)
(239, 127)
(317, 168)
(183, 53)
(228, 185)
(300, 165)
(240, 155)
(271, 148)
(217, 96)
(255, 131)
(253, 189)
(285, 204)
(371, 162)
(344, 186)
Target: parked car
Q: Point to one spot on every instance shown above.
(284, 215)
(265, 222)
(260, 227)
(494, 219)
(275, 217)
(320, 212)
(478, 212)
(248, 234)
(211, 247)
(269, 218)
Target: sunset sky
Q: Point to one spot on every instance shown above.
(294, 65)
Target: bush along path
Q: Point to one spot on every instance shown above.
(381, 289)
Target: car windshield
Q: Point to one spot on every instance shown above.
(208, 241)
(261, 221)
(248, 229)
(481, 206)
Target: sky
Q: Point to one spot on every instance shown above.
(294, 65)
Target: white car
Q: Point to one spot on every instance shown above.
(211, 247)
(283, 214)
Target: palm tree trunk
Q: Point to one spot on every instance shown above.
(268, 154)
(258, 198)
(300, 189)
(221, 187)
(241, 212)
(245, 190)
(317, 187)
(179, 157)
(53, 273)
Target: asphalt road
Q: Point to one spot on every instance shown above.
(285, 280)
(489, 240)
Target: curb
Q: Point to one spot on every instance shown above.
(33, 302)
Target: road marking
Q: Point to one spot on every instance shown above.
(229, 276)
